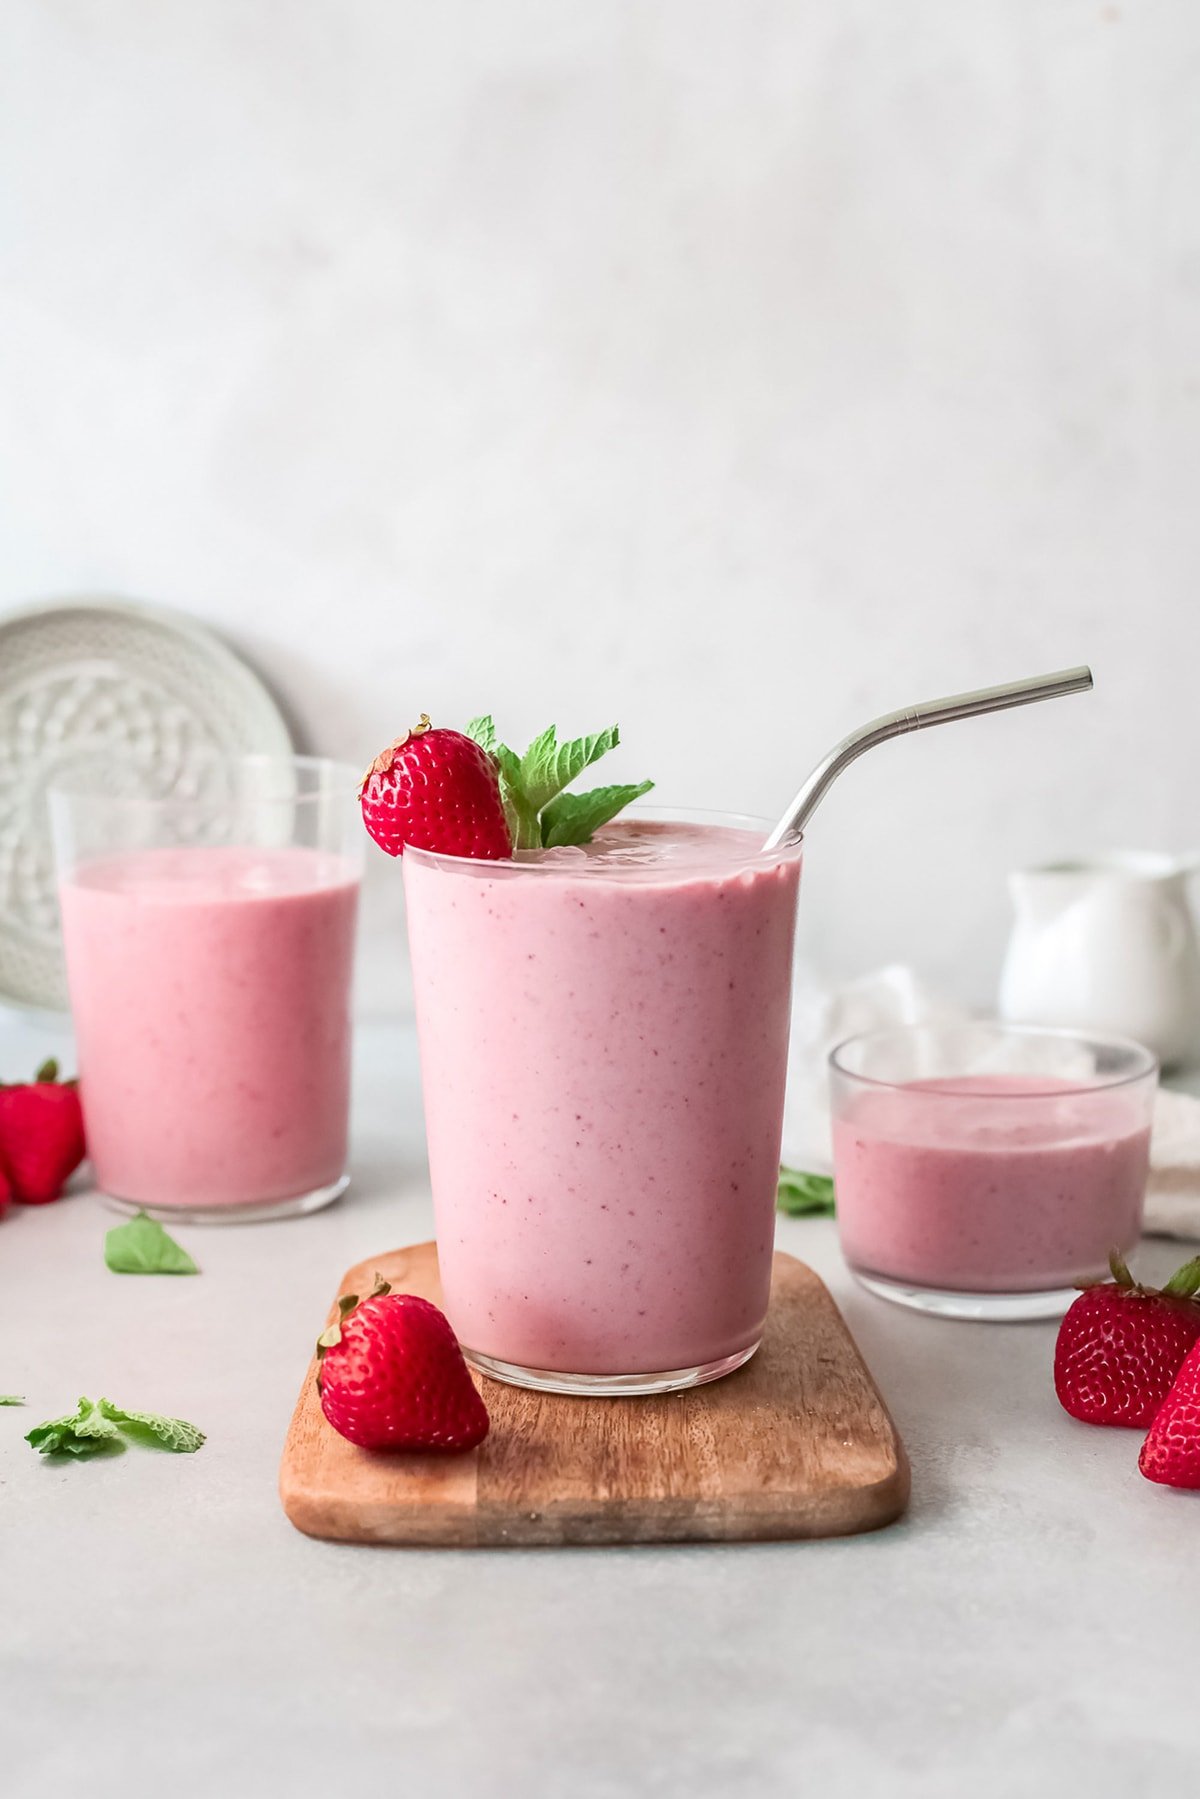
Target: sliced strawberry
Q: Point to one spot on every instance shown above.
(392, 1376)
(435, 790)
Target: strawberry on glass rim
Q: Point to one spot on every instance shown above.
(464, 793)
(437, 790)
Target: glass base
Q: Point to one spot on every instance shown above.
(984, 1308)
(607, 1386)
(253, 1212)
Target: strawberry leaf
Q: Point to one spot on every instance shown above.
(1185, 1282)
(142, 1246)
(12, 1399)
(576, 817)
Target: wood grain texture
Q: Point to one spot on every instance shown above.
(796, 1444)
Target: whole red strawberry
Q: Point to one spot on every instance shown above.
(1171, 1452)
(392, 1376)
(5, 1189)
(435, 790)
(41, 1135)
(1121, 1345)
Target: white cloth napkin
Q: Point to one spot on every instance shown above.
(822, 1016)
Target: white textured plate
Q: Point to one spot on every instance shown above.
(87, 682)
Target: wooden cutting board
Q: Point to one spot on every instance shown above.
(796, 1444)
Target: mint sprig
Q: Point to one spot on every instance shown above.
(95, 1429)
(142, 1246)
(805, 1195)
(541, 814)
(11, 1399)
(83, 1432)
(175, 1434)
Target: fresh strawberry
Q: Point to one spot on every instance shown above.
(1171, 1452)
(392, 1376)
(5, 1189)
(435, 790)
(41, 1135)
(1121, 1345)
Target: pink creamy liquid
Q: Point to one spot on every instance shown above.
(990, 1183)
(210, 991)
(603, 1049)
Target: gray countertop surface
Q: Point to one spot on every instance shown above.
(1031, 1625)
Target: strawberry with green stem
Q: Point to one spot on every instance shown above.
(41, 1135)
(1121, 1345)
(466, 794)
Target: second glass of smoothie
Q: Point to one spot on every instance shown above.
(983, 1170)
(603, 1036)
(209, 937)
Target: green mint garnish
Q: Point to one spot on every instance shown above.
(483, 732)
(576, 817)
(85, 1431)
(541, 814)
(12, 1399)
(805, 1195)
(175, 1434)
(143, 1247)
(92, 1429)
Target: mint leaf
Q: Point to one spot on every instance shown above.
(548, 766)
(84, 1432)
(142, 1246)
(175, 1434)
(576, 817)
(12, 1399)
(523, 825)
(93, 1428)
(805, 1195)
(540, 814)
(482, 731)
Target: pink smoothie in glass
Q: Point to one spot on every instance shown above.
(603, 1046)
(989, 1183)
(210, 991)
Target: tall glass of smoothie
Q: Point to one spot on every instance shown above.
(983, 1171)
(209, 939)
(603, 1035)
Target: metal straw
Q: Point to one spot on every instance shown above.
(916, 718)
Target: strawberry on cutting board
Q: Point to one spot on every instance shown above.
(1171, 1452)
(436, 790)
(392, 1376)
(1121, 1345)
(41, 1135)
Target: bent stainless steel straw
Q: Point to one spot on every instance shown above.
(916, 718)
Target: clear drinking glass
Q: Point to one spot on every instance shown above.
(603, 1052)
(209, 936)
(983, 1170)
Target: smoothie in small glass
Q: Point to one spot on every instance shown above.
(603, 1034)
(990, 1191)
(209, 942)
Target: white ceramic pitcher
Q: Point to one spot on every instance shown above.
(1107, 945)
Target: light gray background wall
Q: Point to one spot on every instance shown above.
(733, 368)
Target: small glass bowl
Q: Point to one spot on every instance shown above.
(984, 1170)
